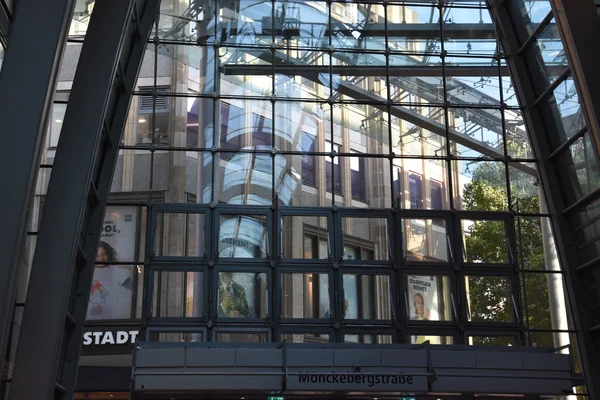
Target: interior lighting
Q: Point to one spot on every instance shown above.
(141, 120)
(58, 121)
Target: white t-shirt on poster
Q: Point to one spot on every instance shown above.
(109, 299)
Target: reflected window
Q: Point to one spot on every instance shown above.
(176, 337)
(368, 339)
(316, 246)
(295, 244)
(231, 128)
(397, 184)
(333, 170)
(305, 295)
(179, 235)
(426, 239)
(416, 191)
(437, 196)
(305, 337)
(358, 178)
(153, 117)
(307, 143)
(242, 295)
(367, 296)
(367, 239)
(262, 130)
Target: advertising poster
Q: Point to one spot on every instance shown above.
(111, 292)
(423, 298)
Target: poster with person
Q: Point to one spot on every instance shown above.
(111, 291)
(423, 298)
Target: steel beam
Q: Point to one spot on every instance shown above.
(27, 81)
(525, 79)
(5, 18)
(52, 328)
(579, 27)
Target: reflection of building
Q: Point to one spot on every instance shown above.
(303, 172)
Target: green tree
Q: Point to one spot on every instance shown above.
(485, 241)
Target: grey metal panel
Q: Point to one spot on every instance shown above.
(362, 357)
(500, 360)
(309, 357)
(453, 359)
(259, 358)
(550, 362)
(397, 358)
(198, 383)
(513, 385)
(27, 81)
(210, 358)
(161, 357)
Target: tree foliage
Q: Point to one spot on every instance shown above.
(486, 242)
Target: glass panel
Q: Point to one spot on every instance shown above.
(176, 337)
(245, 178)
(481, 186)
(530, 242)
(242, 295)
(245, 125)
(178, 294)
(367, 296)
(399, 21)
(200, 123)
(422, 133)
(566, 100)
(545, 300)
(365, 238)
(297, 243)
(132, 171)
(476, 85)
(485, 242)
(232, 337)
(305, 295)
(242, 236)
(247, 19)
(302, 83)
(298, 24)
(492, 341)
(118, 239)
(418, 339)
(476, 132)
(237, 81)
(305, 337)
(368, 339)
(180, 234)
(111, 292)
(549, 51)
(489, 299)
(350, 21)
(425, 239)
(524, 187)
(429, 298)
(582, 167)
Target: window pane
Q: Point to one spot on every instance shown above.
(242, 236)
(176, 337)
(418, 339)
(179, 234)
(178, 294)
(485, 242)
(425, 239)
(429, 298)
(296, 243)
(242, 295)
(305, 337)
(365, 238)
(367, 296)
(545, 301)
(368, 339)
(415, 191)
(111, 293)
(305, 295)
(489, 299)
(241, 337)
(492, 341)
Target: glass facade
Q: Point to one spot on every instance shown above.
(323, 168)
(335, 172)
